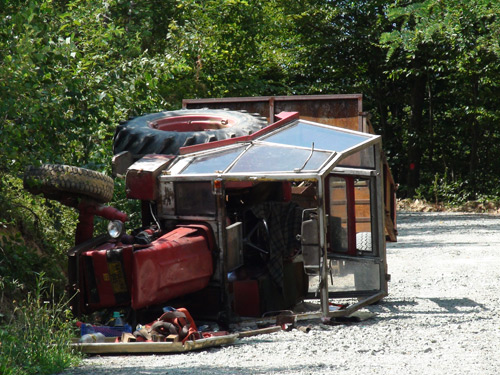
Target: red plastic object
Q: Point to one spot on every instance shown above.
(106, 276)
(88, 209)
(178, 263)
(141, 177)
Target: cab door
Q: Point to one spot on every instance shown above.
(355, 241)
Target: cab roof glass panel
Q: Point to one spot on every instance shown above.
(324, 137)
(265, 158)
(297, 147)
(214, 162)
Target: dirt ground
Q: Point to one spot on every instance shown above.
(441, 316)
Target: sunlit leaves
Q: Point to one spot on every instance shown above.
(456, 43)
(70, 71)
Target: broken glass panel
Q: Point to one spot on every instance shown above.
(214, 162)
(324, 138)
(267, 158)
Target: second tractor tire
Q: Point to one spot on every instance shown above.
(166, 132)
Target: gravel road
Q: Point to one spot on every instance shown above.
(441, 316)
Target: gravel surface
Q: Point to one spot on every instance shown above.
(441, 316)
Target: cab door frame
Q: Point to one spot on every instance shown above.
(353, 259)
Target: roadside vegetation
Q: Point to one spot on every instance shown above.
(35, 339)
(70, 71)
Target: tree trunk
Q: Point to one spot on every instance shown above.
(475, 133)
(415, 129)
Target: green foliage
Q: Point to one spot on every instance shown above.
(37, 340)
(43, 222)
(452, 46)
(223, 45)
(70, 71)
(445, 190)
(69, 74)
(17, 264)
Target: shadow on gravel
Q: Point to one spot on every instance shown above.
(169, 368)
(421, 229)
(432, 306)
(416, 222)
(458, 305)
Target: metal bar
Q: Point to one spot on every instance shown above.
(354, 307)
(354, 172)
(323, 246)
(331, 314)
(351, 216)
(379, 218)
(260, 331)
(307, 160)
(271, 109)
(223, 253)
(186, 102)
(242, 177)
(361, 259)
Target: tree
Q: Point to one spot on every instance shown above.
(453, 47)
(330, 47)
(224, 45)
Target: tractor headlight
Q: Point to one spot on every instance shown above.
(115, 228)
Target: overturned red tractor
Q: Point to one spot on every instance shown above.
(239, 218)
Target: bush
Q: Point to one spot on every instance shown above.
(36, 338)
(445, 190)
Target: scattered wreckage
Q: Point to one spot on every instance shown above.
(239, 218)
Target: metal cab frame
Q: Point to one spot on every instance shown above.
(343, 176)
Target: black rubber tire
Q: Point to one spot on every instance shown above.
(63, 182)
(139, 137)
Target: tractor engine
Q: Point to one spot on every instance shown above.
(149, 267)
(141, 275)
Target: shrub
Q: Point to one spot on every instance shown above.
(36, 338)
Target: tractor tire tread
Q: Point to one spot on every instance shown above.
(139, 138)
(56, 181)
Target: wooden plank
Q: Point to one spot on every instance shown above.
(389, 228)
(154, 347)
(362, 211)
(363, 227)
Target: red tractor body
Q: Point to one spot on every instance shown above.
(245, 219)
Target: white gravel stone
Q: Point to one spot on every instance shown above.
(441, 316)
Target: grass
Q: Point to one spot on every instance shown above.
(36, 338)
(36, 324)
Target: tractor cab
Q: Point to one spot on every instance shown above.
(295, 210)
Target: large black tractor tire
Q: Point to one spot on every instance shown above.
(66, 183)
(166, 132)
